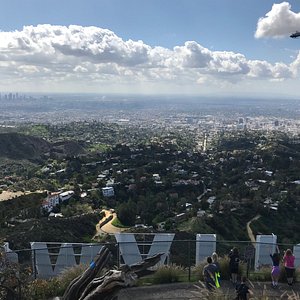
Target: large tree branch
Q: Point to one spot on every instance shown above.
(89, 287)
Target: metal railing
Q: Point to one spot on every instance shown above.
(55, 257)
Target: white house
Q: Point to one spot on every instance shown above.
(108, 191)
(211, 200)
(46, 206)
(66, 195)
(269, 173)
(156, 177)
(201, 213)
(53, 199)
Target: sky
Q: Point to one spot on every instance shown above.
(189, 47)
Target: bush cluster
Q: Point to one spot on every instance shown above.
(41, 289)
(168, 274)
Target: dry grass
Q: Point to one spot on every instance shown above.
(168, 274)
(260, 292)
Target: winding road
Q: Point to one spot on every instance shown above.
(108, 228)
(249, 230)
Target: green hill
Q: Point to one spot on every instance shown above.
(18, 146)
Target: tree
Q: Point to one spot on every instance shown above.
(126, 213)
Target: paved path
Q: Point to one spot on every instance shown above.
(249, 230)
(108, 228)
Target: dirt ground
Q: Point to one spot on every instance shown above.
(7, 195)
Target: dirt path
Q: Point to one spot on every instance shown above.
(8, 195)
(249, 230)
(108, 228)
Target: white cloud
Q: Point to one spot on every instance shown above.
(280, 21)
(229, 63)
(192, 55)
(60, 57)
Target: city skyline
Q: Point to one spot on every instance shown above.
(155, 47)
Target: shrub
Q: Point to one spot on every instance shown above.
(40, 289)
(67, 275)
(263, 274)
(167, 274)
(224, 268)
(282, 276)
(117, 223)
(197, 271)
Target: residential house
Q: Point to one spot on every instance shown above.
(108, 191)
(66, 195)
(53, 199)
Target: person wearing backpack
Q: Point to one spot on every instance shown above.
(209, 274)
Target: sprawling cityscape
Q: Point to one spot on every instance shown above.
(211, 114)
(149, 142)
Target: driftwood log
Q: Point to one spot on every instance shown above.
(106, 287)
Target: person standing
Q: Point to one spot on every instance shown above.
(275, 269)
(289, 265)
(234, 260)
(209, 273)
(215, 258)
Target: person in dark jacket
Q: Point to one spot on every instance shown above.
(234, 260)
(209, 274)
(242, 290)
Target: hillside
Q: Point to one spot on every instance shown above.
(76, 229)
(244, 174)
(16, 146)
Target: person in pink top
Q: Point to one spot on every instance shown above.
(289, 264)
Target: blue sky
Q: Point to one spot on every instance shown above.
(229, 51)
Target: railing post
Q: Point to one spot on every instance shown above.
(34, 264)
(118, 255)
(189, 259)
